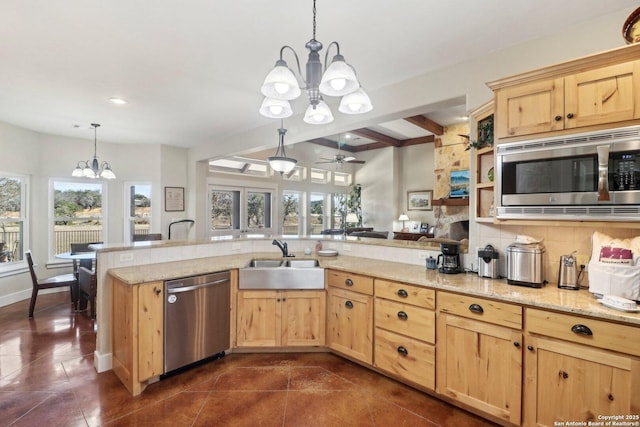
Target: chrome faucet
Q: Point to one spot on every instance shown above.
(283, 247)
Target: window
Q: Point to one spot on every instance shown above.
(240, 165)
(13, 218)
(292, 220)
(318, 213)
(235, 210)
(299, 173)
(339, 209)
(320, 176)
(78, 214)
(138, 205)
(342, 179)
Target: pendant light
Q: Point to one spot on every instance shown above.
(92, 168)
(279, 162)
(337, 79)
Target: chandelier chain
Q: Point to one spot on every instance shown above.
(314, 19)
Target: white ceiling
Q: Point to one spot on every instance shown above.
(191, 69)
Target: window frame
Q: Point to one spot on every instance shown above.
(14, 267)
(128, 236)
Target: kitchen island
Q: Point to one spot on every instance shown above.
(522, 335)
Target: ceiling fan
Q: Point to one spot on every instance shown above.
(340, 158)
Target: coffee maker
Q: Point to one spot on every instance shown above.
(449, 259)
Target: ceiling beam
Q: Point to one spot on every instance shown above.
(420, 140)
(377, 136)
(426, 124)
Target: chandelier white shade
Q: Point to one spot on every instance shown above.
(279, 162)
(92, 168)
(351, 218)
(337, 79)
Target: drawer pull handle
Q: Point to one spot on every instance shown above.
(563, 374)
(581, 330)
(557, 118)
(476, 308)
(348, 304)
(402, 315)
(403, 351)
(348, 282)
(402, 293)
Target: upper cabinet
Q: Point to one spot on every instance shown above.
(601, 90)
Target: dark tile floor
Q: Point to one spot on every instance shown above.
(47, 378)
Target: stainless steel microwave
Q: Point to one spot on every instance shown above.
(588, 176)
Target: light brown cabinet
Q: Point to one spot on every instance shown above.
(484, 162)
(479, 356)
(405, 331)
(281, 318)
(350, 315)
(137, 333)
(579, 368)
(595, 95)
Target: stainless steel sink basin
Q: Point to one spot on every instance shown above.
(264, 263)
(302, 263)
(278, 274)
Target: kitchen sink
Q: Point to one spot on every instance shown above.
(264, 263)
(290, 274)
(302, 263)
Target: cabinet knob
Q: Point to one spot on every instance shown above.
(157, 291)
(557, 118)
(516, 344)
(581, 330)
(402, 315)
(348, 304)
(348, 282)
(530, 347)
(563, 374)
(403, 351)
(570, 116)
(402, 293)
(277, 299)
(476, 308)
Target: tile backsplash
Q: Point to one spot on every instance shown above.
(557, 239)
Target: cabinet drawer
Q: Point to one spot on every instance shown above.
(407, 294)
(414, 322)
(350, 281)
(405, 357)
(596, 333)
(499, 313)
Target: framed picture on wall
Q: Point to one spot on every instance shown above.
(459, 182)
(173, 199)
(419, 200)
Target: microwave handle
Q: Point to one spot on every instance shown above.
(603, 173)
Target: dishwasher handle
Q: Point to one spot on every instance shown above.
(193, 287)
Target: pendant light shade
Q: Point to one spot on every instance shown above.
(276, 108)
(357, 102)
(336, 79)
(319, 114)
(279, 162)
(92, 168)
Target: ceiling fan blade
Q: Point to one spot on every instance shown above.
(356, 161)
(349, 158)
(326, 161)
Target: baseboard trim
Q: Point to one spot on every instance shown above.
(102, 362)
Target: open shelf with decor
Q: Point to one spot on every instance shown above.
(482, 144)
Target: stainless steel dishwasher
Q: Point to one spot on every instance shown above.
(196, 319)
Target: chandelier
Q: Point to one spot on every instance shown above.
(92, 168)
(338, 79)
(279, 162)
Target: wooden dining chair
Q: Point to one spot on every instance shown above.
(50, 282)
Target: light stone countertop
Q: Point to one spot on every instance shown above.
(549, 297)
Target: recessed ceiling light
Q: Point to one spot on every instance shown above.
(117, 101)
(465, 118)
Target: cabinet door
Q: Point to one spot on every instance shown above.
(606, 95)
(350, 324)
(258, 319)
(568, 381)
(303, 318)
(530, 108)
(480, 364)
(150, 330)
